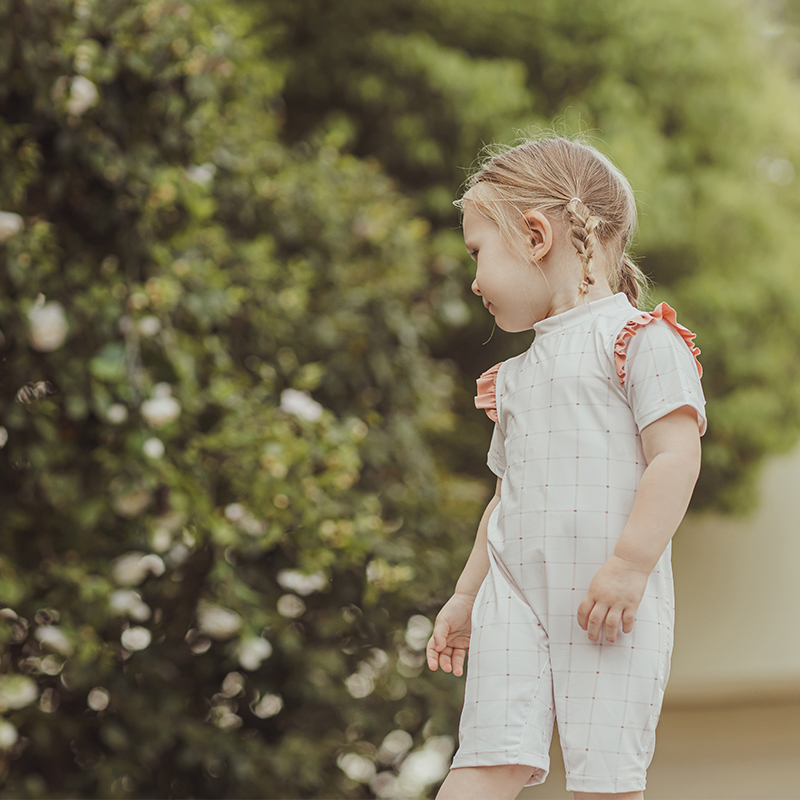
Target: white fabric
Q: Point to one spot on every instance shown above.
(568, 449)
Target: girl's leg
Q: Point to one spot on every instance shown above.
(502, 782)
(609, 796)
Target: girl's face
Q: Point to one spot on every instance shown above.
(514, 289)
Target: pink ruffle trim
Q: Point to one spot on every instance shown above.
(661, 311)
(487, 388)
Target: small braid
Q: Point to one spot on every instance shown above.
(582, 233)
(629, 279)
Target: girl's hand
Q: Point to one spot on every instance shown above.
(450, 638)
(614, 595)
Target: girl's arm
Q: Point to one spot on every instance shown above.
(451, 632)
(672, 450)
(478, 562)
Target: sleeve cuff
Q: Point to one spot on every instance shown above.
(666, 408)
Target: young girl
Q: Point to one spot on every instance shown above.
(566, 601)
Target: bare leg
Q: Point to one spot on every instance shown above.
(502, 782)
(609, 796)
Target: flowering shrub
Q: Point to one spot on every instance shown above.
(216, 404)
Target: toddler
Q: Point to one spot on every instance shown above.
(566, 602)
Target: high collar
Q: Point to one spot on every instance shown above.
(580, 314)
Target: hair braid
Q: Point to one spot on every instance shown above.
(630, 279)
(584, 239)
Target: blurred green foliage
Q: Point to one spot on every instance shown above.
(694, 101)
(241, 462)
(184, 283)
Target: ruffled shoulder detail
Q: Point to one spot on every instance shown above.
(661, 311)
(487, 389)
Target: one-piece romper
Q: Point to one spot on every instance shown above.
(567, 446)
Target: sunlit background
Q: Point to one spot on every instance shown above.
(241, 465)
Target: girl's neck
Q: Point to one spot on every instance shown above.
(567, 296)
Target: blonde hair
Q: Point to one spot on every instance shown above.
(556, 174)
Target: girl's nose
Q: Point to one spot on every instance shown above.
(475, 288)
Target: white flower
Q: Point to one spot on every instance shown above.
(201, 175)
(177, 554)
(8, 735)
(161, 411)
(418, 631)
(237, 513)
(17, 691)
(54, 637)
(359, 685)
(51, 665)
(149, 325)
(252, 650)
(160, 539)
(48, 326)
(374, 664)
(153, 447)
(425, 766)
(126, 601)
(394, 745)
(300, 582)
(9, 225)
(455, 311)
(301, 404)
(116, 414)
(98, 698)
(358, 768)
(232, 684)
(83, 95)
(421, 768)
(224, 718)
(136, 638)
(3, 436)
(217, 622)
(132, 568)
(268, 706)
(384, 784)
(290, 606)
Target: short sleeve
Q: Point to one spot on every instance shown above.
(658, 367)
(496, 460)
(486, 399)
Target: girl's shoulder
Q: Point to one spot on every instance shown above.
(662, 328)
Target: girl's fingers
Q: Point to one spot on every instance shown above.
(583, 612)
(612, 625)
(435, 644)
(458, 661)
(445, 659)
(596, 618)
(628, 618)
(433, 655)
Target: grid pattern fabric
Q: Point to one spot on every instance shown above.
(568, 449)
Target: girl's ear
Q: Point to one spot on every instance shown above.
(538, 232)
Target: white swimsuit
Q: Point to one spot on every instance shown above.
(566, 443)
